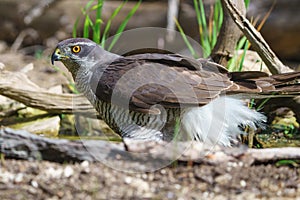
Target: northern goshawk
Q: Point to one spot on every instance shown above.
(152, 96)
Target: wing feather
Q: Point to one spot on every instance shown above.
(142, 81)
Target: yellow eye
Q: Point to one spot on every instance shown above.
(76, 49)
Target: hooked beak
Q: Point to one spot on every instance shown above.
(55, 56)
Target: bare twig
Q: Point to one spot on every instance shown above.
(173, 7)
(19, 40)
(37, 11)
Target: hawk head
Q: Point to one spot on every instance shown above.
(78, 53)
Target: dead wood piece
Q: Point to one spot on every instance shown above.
(180, 150)
(228, 36)
(214, 155)
(259, 44)
(37, 11)
(140, 155)
(173, 9)
(274, 154)
(17, 86)
(19, 40)
(23, 145)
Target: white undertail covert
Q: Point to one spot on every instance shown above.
(217, 122)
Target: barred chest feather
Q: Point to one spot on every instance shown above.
(132, 124)
(138, 125)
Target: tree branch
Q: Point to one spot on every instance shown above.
(259, 44)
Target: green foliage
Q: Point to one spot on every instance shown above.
(38, 54)
(261, 105)
(88, 23)
(177, 129)
(247, 2)
(123, 24)
(208, 30)
(288, 130)
(292, 163)
(2, 158)
(236, 62)
(96, 25)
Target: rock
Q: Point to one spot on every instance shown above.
(46, 126)
(85, 167)
(52, 173)
(68, 171)
(3, 46)
(6, 177)
(2, 66)
(252, 62)
(224, 179)
(34, 184)
(243, 183)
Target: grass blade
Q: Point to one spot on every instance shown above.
(247, 2)
(108, 25)
(98, 22)
(86, 28)
(88, 5)
(261, 105)
(202, 16)
(244, 55)
(123, 25)
(183, 35)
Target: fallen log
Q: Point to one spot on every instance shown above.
(138, 155)
(21, 144)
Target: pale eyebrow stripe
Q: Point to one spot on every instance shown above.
(82, 43)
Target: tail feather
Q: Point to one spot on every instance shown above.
(261, 84)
